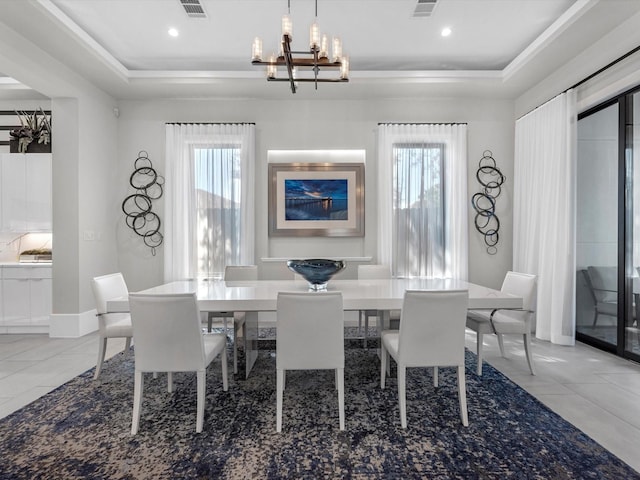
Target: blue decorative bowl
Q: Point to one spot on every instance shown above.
(316, 271)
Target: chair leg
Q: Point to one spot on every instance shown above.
(127, 345)
(402, 394)
(226, 334)
(360, 313)
(209, 321)
(527, 350)
(235, 356)
(462, 395)
(202, 385)
(479, 352)
(435, 376)
(366, 329)
(102, 348)
(138, 387)
(279, 391)
(236, 330)
(501, 345)
(384, 359)
(170, 382)
(383, 322)
(340, 373)
(225, 376)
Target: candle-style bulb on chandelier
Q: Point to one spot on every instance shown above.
(316, 60)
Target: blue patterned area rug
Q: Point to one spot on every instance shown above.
(82, 429)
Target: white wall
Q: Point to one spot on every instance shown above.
(84, 148)
(309, 124)
(84, 206)
(93, 161)
(84, 162)
(98, 203)
(615, 44)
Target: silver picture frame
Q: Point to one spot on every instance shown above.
(316, 199)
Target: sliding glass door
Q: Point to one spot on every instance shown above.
(608, 227)
(597, 226)
(632, 159)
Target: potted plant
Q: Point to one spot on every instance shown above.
(34, 127)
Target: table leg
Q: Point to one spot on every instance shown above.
(384, 323)
(250, 340)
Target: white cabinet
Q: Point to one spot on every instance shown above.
(26, 299)
(14, 188)
(25, 199)
(40, 290)
(38, 198)
(15, 288)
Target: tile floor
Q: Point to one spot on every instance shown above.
(596, 391)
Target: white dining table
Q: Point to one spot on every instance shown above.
(261, 296)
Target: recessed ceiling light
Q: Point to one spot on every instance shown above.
(446, 31)
(173, 32)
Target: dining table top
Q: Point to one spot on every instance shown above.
(361, 294)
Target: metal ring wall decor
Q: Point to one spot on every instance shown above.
(484, 203)
(137, 206)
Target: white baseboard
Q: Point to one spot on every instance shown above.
(23, 329)
(73, 325)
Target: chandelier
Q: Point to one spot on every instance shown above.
(315, 60)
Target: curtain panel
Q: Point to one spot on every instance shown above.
(454, 139)
(181, 193)
(544, 212)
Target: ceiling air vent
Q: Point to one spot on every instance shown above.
(193, 8)
(425, 8)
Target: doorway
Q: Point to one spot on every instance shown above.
(608, 226)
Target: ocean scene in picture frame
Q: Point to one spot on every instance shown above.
(316, 199)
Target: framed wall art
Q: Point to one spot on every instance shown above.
(316, 199)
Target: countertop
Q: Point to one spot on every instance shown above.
(26, 264)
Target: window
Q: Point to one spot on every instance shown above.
(209, 199)
(217, 176)
(418, 210)
(422, 200)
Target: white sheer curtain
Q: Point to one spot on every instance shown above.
(544, 212)
(454, 139)
(205, 152)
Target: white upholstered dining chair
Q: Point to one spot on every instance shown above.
(373, 272)
(309, 336)
(431, 334)
(110, 325)
(168, 338)
(501, 322)
(233, 273)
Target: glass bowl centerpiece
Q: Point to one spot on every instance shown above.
(316, 271)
